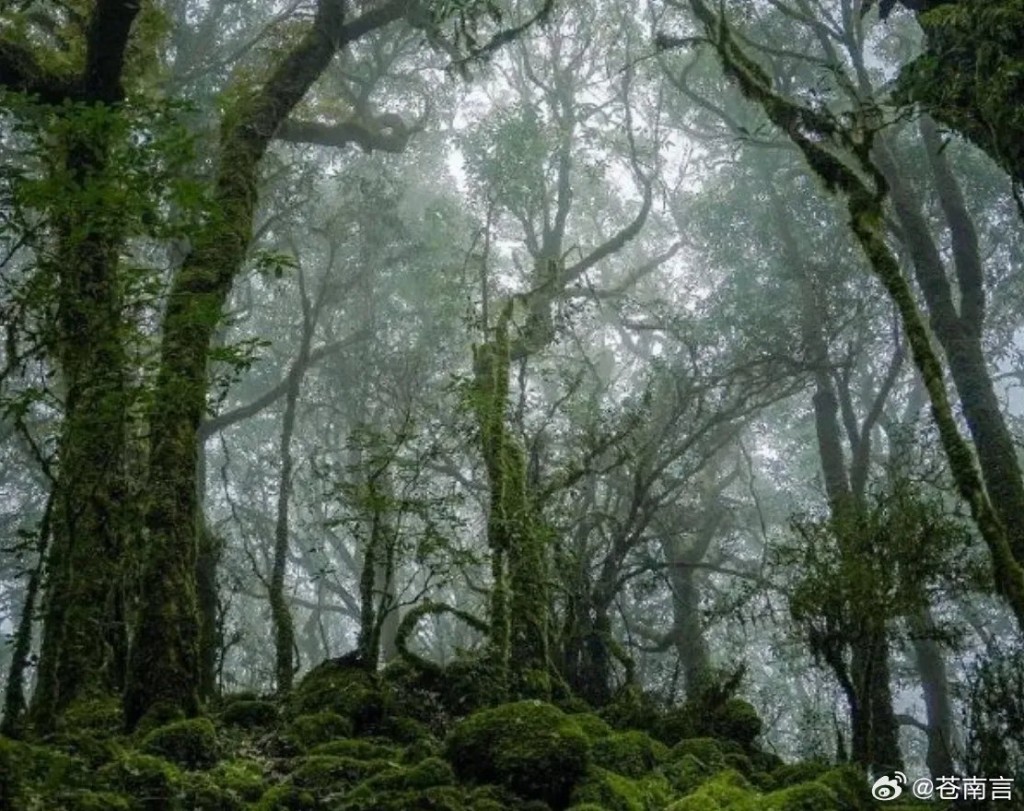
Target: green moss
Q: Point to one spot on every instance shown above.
(802, 797)
(593, 726)
(707, 750)
(790, 774)
(632, 753)
(736, 720)
(191, 744)
(287, 798)
(726, 791)
(531, 747)
(95, 749)
(12, 791)
(358, 749)
(202, 793)
(242, 777)
(325, 775)
(249, 714)
(154, 783)
(95, 714)
(632, 709)
(686, 773)
(739, 762)
(608, 790)
(436, 798)
(850, 787)
(420, 750)
(308, 731)
(160, 714)
(429, 773)
(92, 801)
(402, 730)
(340, 687)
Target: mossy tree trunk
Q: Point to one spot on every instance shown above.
(166, 637)
(840, 157)
(84, 632)
(519, 597)
(865, 673)
(957, 321)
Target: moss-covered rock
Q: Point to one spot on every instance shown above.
(631, 709)
(201, 792)
(152, 782)
(802, 797)
(707, 750)
(531, 747)
(632, 753)
(726, 791)
(94, 714)
(593, 726)
(340, 687)
(287, 798)
(435, 798)
(357, 748)
(789, 774)
(244, 778)
(308, 731)
(191, 743)
(94, 748)
(686, 773)
(330, 776)
(608, 790)
(736, 720)
(850, 787)
(426, 774)
(250, 714)
(85, 800)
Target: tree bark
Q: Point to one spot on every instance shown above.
(166, 639)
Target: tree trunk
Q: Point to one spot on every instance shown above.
(931, 669)
(166, 639)
(83, 625)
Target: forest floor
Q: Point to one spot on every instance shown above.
(347, 740)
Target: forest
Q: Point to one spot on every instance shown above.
(467, 405)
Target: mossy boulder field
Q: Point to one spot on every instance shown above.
(348, 740)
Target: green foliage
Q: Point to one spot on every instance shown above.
(971, 76)
(190, 744)
(530, 747)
